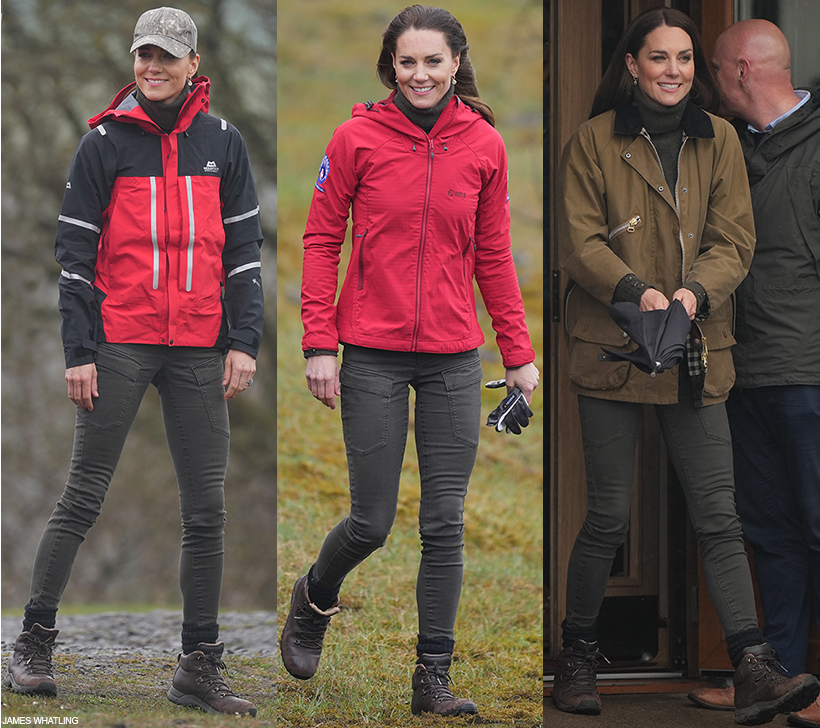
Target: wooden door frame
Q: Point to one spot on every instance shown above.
(574, 65)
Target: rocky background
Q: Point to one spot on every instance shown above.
(61, 64)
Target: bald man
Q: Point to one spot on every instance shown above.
(774, 408)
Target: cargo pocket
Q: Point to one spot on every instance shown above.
(208, 376)
(365, 409)
(117, 375)
(463, 385)
(588, 337)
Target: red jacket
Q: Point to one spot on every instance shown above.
(430, 213)
(153, 227)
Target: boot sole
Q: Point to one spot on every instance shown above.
(585, 707)
(798, 699)
(191, 701)
(44, 688)
(708, 706)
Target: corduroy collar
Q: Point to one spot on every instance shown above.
(695, 121)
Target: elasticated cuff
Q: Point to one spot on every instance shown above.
(629, 290)
(704, 308)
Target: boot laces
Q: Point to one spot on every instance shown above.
(435, 682)
(37, 656)
(210, 674)
(767, 667)
(582, 677)
(310, 626)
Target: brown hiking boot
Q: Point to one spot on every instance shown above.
(29, 669)
(713, 698)
(431, 692)
(573, 687)
(762, 691)
(199, 684)
(304, 632)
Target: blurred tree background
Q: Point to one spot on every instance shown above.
(62, 62)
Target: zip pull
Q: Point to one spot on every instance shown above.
(432, 153)
(444, 145)
(630, 227)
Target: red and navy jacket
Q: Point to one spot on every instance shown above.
(159, 234)
(430, 214)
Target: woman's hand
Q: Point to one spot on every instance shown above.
(239, 369)
(525, 378)
(82, 385)
(322, 374)
(653, 300)
(689, 301)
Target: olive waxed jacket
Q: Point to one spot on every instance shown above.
(617, 217)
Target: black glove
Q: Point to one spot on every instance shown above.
(512, 414)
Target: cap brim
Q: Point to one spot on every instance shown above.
(175, 48)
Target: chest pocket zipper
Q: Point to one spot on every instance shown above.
(628, 226)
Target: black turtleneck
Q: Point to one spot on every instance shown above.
(663, 124)
(424, 118)
(163, 114)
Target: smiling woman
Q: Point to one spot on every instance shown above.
(425, 67)
(664, 68)
(159, 242)
(161, 76)
(424, 173)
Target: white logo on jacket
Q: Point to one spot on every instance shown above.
(211, 167)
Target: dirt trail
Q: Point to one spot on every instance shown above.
(149, 633)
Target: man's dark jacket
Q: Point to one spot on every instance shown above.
(778, 304)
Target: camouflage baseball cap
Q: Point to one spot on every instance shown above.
(171, 29)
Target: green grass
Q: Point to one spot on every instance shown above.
(367, 664)
(326, 59)
(129, 692)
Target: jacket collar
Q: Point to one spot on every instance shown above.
(454, 118)
(125, 108)
(696, 122)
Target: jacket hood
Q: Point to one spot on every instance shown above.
(454, 118)
(695, 121)
(126, 108)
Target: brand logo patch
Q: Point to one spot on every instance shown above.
(211, 167)
(68, 185)
(456, 193)
(324, 171)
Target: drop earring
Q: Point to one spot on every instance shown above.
(454, 80)
(634, 80)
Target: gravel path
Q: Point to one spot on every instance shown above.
(149, 633)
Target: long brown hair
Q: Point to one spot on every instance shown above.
(424, 17)
(615, 89)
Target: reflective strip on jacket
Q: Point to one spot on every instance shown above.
(430, 213)
(616, 216)
(154, 227)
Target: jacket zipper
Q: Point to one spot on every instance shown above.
(427, 189)
(645, 134)
(361, 259)
(629, 226)
(680, 225)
